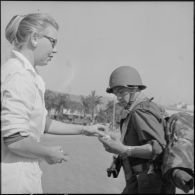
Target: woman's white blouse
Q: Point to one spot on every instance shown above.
(22, 111)
(22, 98)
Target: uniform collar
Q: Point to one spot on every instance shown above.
(25, 62)
(138, 99)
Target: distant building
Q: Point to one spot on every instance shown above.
(190, 107)
(73, 113)
(181, 105)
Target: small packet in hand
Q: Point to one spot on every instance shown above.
(106, 137)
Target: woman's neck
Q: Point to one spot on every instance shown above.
(28, 54)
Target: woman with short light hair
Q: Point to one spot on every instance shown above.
(23, 115)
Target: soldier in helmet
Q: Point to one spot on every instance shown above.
(142, 134)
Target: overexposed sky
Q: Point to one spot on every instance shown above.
(96, 37)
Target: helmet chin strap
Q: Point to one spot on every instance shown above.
(131, 99)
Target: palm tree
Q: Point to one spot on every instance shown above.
(110, 111)
(61, 102)
(75, 106)
(85, 104)
(94, 101)
(101, 117)
(50, 97)
(90, 104)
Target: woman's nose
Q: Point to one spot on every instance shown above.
(54, 50)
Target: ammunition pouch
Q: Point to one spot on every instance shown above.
(149, 183)
(148, 178)
(140, 168)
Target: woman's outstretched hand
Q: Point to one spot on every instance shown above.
(95, 130)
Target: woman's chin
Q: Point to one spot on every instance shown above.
(122, 104)
(45, 63)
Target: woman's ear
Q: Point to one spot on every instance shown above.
(33, 40)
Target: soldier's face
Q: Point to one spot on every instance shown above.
(124, 95)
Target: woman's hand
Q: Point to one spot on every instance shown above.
(95, 130)
(55, 155)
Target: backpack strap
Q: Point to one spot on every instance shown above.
(126, 120)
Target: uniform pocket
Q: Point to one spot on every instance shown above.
(149, 183)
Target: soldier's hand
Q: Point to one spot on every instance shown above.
(113, 136)
(112, 146)
(183, 180)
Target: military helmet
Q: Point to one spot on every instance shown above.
(125, 76)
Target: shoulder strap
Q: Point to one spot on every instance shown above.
(124, 127)
(126, 121)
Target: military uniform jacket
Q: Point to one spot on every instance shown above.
(145, 125)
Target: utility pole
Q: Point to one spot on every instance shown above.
(113, 117)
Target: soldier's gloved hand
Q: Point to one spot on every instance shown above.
(183, 180)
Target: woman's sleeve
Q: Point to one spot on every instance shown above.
(18, 97)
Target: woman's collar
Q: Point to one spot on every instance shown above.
(26, 63)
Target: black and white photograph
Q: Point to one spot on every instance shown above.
(97, 97)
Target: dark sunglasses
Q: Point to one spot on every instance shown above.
(52, 40)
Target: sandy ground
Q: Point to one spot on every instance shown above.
(85, 172)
